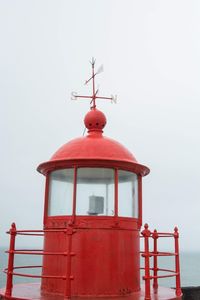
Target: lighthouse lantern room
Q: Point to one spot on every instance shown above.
(92, 223)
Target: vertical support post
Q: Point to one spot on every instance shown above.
(146, 234)
(9, 282)
(155, 259)
(177, 263)
(67, 294)
(93, 85)
(69, 232)
(139, 201)
(116, 199)
(116, 193)
(74, 196)
(46, 199)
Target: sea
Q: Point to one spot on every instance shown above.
(189, 262)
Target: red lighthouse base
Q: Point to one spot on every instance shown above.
(33, 292)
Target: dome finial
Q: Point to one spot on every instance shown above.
(95, 120)
(94, 90)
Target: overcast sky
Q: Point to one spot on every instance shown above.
(150, 52)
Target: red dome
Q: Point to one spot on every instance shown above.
(93, 149)
(93, 146)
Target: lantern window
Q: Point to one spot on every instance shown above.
(95, 192)
(127, 194)
(61, 192)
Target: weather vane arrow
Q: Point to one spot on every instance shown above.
(95, 91)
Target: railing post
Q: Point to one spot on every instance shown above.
(9, 282)
(155, 259)
(177, 264)
(69, 232)
(146, 234)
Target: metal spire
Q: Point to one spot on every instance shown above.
(95, 91)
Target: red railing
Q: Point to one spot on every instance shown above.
(151, 273)
(10, 271)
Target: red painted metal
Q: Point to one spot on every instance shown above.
(116, 198)
(155, 259)
(95, 120)
(94, 96)
(74, 196)
(146, 234)
(68, 277)
(178, 281)
(147, 254)
(94, 149)
(97, 237)
(139, 201)
(31, 291)
(101, 236)
(9, 283)
(46, 199)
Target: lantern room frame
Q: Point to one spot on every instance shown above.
(94, 164)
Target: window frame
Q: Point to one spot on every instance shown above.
(73, 216)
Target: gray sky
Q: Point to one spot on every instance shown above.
(150, 52)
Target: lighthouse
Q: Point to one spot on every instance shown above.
(92, 223)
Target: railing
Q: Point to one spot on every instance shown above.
(151, 273)
(10, 271)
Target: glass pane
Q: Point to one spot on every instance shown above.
(127, 194)
(61, 192)
(95, 192)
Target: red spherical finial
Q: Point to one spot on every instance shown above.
(95, 120)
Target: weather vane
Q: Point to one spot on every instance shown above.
(95, 91)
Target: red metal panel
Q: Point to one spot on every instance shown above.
(104, 263)
(106, 260)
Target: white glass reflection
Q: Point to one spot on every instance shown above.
(95, 192)
(61, 192)
(127, 194)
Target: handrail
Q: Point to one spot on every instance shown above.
(37, 252)
(10, 271)
(151, 273)
(160, 253)
(147, 254)
(32, 275)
